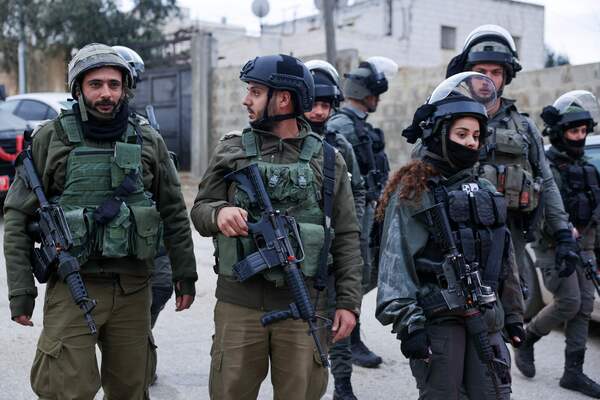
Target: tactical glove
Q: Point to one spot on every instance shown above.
(185, 287)
(515, 329)
(415, 344)
(566, 252)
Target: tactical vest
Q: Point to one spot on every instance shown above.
(92, 175)
(580, 191)
(293, 189)
(477, 219)
(507, 165)
(369, 148)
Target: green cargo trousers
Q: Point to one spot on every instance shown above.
(65, 365)
(242, 351)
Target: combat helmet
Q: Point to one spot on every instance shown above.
(487, 44)
(467, 94)
(281, 72)
(370, 78)
(91, 56)
(572, 109)
(134, 60)
(327, 82)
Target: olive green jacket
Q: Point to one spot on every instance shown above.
(50, 150)
(214, 194)
(404, 239)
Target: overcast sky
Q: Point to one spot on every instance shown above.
(572, 26)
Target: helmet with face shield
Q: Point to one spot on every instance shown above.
(487, 44)
(370, 78)
(327, 82)
(467, 94)
(571, 110)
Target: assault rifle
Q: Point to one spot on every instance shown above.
(462, 288)
(271, 235)
(590, 271)
(373, 185)
(52, 231)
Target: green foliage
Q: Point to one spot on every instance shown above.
(64, 25)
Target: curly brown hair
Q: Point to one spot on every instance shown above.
(413, 180)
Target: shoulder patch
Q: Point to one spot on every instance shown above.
(40, 126)
(230, 135)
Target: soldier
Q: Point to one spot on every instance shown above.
(449, 322)
(162, 277)
(327, 99)
(513, 157)
(362, 90)
(291, 161)
(568, 122)
(84, 158)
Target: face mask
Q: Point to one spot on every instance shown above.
(461, 156)
(575, 148)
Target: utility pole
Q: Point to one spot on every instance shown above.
(21, 51)
(328, 8)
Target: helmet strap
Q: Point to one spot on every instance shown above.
(82, 107)
(445, 138)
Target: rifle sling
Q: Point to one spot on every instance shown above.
(328, 189)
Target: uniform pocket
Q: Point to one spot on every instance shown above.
(147, 233)
(312, 236)
(115, 240)
(46, 376)
(79, 225)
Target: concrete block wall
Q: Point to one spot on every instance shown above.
(407, 90)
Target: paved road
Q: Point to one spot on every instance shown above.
(184, 345)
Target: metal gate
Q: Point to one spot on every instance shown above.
(169, 91)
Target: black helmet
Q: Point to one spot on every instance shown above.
(464, 94)
(572, 109)
(282, 72)
(134, 60)
(327, 81)
(487, 44)
(370, 78)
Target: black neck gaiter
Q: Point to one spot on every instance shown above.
(316, 127)
(105, 129)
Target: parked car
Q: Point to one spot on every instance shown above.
(538, 294)
(37, 107)
(12, 130)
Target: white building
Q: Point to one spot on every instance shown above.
(418, 33)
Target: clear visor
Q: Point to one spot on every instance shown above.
(490, 29)
(473, 85)
(323, 66)
(581, 98)
(383, 65)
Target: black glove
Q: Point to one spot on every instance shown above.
(415, 345)
(566, 252)
(515, 329)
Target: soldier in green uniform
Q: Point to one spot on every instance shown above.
(291, 161)
(328, 95)
(568, 122)
(362, 89)
(83, 157)
(442, 334)
(513, 157)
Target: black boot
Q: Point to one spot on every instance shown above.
(524, 354)
(574, 379)
(343, 390)
(361, 355)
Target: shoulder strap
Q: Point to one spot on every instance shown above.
(328, 188)
(359, 124)
(71, 127)
(310, 147)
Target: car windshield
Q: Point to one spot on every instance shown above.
(593, 152)
(67, 105)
